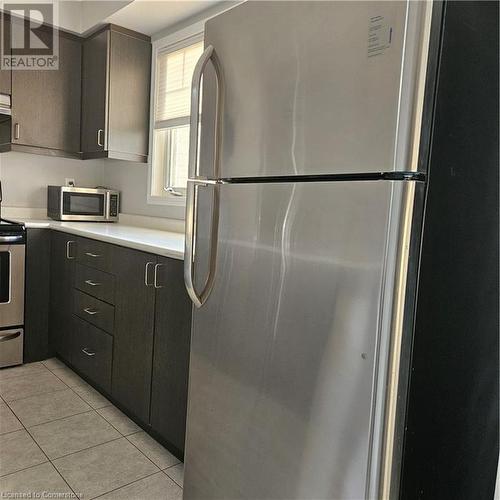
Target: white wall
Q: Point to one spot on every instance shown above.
(25, 177)
(131, 179)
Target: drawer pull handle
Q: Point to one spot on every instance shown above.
(90, 254)
(68, 250)
(91, 311)
(86, 351)
(92, 283)
(9, 336)
(146, 274)
(157, 285)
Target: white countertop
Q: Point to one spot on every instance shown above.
(165, 243)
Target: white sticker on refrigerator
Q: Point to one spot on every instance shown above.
(379, 36)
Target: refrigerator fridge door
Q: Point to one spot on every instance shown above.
(285, 350)
(314, 87)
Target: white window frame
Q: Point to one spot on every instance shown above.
(178, 40)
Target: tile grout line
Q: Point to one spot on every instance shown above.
(92, 409)
(71, 387)
(111, 423)
(60, 418)
(51, 463)
(34, 440)
(52, 420)
(15, 416)
(141, 450)
(100, 444)
(181, 486)
(128, 484)
(23, 469)
(48, 459)
(42, 368)
(87, 448)
(38, 394)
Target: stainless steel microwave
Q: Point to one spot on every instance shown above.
(82, 204)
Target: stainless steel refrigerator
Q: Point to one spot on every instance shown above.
(304, 201)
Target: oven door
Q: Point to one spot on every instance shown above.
(11, 285)
(83, 204)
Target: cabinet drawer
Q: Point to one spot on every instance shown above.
(95, 282)
(94, 311)
(92, 353)
(95, 254)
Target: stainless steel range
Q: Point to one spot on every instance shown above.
(12, 261)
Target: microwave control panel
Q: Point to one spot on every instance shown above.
(113, 205)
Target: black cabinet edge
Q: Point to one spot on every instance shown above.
(21, 148)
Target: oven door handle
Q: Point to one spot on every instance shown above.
(11, 238)
(9, 336)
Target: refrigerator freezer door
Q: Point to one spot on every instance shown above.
(312, 87)
(284, 351)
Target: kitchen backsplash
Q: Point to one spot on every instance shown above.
(25, 178)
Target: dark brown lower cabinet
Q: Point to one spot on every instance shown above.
(171, 354)
(62, 255)
(36, 311)
(92, 353)
(122, 319)
(134, 330)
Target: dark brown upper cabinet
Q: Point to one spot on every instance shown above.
(5, 74)
(116, 79)
(5, 81)
(46, 104)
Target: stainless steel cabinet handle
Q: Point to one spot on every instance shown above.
(91, 311)
(88, 352)
(146, 274)
(157, 266)
(17, 131)
(194, 183)
(99, 140)
(94, 255)
(68, 250)
(9, 336)
(92, 283)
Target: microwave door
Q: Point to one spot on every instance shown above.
(83, 206)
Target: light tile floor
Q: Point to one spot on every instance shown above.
(59, 435)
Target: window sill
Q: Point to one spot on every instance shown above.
(173, 201)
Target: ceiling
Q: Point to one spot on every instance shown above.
(152, 16)
(146, 16)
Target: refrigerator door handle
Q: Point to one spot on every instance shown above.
(208, 55)
(190, 241)
(194, 182)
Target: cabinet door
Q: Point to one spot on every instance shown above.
(133, 332)
(36, 310)
(46, 103)
(130, 76)
(94, 85)
(171, 354)
(5, 74)
(63, 249)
